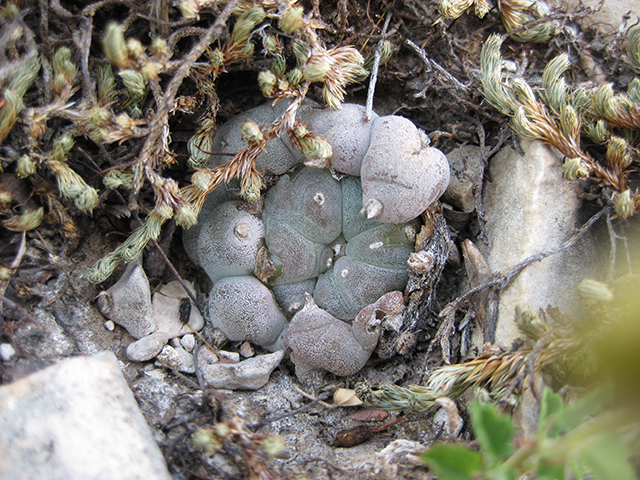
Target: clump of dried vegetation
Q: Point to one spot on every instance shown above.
(107, 112)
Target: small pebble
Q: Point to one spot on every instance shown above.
(175, 343)
(6, 352)
(147, 347)
(109, 325)
(176, 358)
(188, 342)
(247, 350)
(233, 356)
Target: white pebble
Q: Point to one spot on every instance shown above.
(247, 350)
(233, 356)
(6, 352)
(147, 347)
(109, 325)
(175, 343)
(188, 342)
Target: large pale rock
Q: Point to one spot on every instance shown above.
(76, 420)
(530, 208)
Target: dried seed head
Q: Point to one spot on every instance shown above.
(115, 46)
(246, 23)
(292, 20)
(624, 205)
(574, 169)
(251, 133)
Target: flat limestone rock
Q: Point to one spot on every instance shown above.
(250, 374)
(530, 208)
(76, 420)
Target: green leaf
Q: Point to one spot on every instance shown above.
(606, 458)
(452, 462)
(550, 404)
(493, 430)
(550, 472)
(571, 416)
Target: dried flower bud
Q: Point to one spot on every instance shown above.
(25, 166)
(301, 51)
(117, 178)
(202, 179)
(317, 68)
(248, 50)
(62, 145)
(251, 133)
(624, 205)
(251, 190)
(159, 47)
(186, 216)
(598, 132)
(271, 44)
(62, 65)
(272, 446)
(189, 8)
(216, 58)
(617, 155)
(295, 76)
(115, 46)
(633, 90)
(135, 48)
(593, 293)
(267, 82)
(292, 20)
(278, 65)
(385, 55)
(573, 169)
(149, 71)
(6, 197)
(134, 83)
(246, 23)
(205, 439)
(27, 221)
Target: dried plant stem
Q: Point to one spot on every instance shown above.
(154, 146)
(374, 69)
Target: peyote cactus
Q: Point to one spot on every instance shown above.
(316, 244)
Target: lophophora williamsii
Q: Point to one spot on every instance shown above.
(326, 249)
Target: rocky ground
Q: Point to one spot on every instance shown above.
(507, 196)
